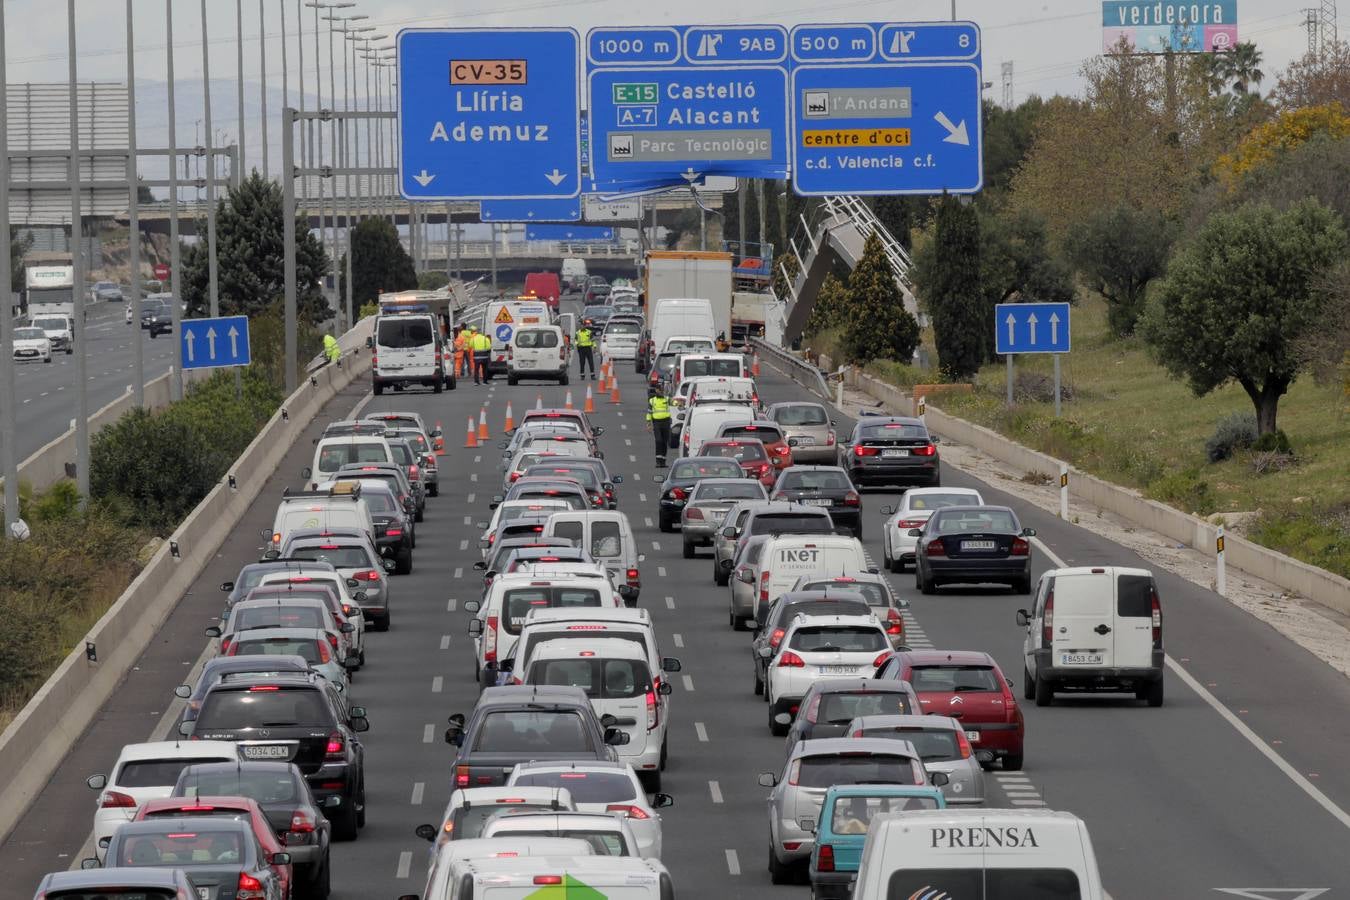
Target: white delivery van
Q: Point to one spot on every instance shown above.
(502, 318)
(574, 273)
(683, 317)
(705, 419)
(694, 365)
(525, 877)
(608, 536)
(60, 331)
(341, 507)
(444, 857)
(978, 854)
(1095, 628)
(537, 351)
(332, 453)
(787, 557)
(407, 350)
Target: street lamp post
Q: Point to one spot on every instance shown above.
(328, 240)
(239, 45)
(262, 74)
(8, 423)
(342, 156)
(133, 213)
(213, 271)
(175, 255)
(357, 36)
(77, 258)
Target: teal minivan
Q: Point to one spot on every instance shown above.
(841, 830)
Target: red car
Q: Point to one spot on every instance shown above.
(767, 433)
(752, 456)
(232, 807)
(968, 686)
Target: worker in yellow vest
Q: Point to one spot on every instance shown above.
(586, 349)
(658, 422)
(462, 352)
(481, 345)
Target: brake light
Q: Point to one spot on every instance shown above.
(829, 439)
(813, 709)
(332, 642)
(925, 450)
(226, 645)
(374, 360)
(367, 575)
(789, 660)
(794, 772)
(865, 451)
(1156, 606)
(1020, 547)
(776, 637)
(936, 548)
(693, 513)
(346, 610)
(881, 659)
(764, 586)
(895, 623)
(825, 858)
(515, 475)
(911, 523)
(116, 800)
(963, 743)
(301, 823)
(548, 879)
(678, 493)
(629, 811)
(852, 499)
(490, 640)
(653, 715)
(249, 888)
(461, 776)
(414, 474)
(393, 532)
(634, 576)
(1048, 620)
(324, 655)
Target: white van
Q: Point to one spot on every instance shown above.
(1094, 628)
(441, 876)
(696, 365)
(981, 854)
(332, 453)
(674, 317)
(522, 877)
(608, 535)
(574, 273)
(337, 508)
(785, 558)
(60, 331)
(537, 351)
(407, 350)
(705, 419)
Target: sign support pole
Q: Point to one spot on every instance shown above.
(7, 414)
(80, 295)
(175, 254)
(288, 240)
(1010, 379)
(493, 244)
(133, 217)
(1057, 391)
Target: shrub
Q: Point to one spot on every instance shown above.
(1186, 490)
(1233, 433)
(1274, 442)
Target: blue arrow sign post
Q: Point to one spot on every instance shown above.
(489, 113)
(565, 210)
(215, 343)
(890, 108)
(1031, 328)
(568, 233)
(672, 103)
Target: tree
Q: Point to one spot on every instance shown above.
(19, 245)
(1119, 251)
(877, 325)
(251, 254)
(1269, 141)
(947, 273)
(1008, 135)
(1236, 301)
(900, 215)
(1239, 67)
(1316, 79)
(830, 307)
(379, 262)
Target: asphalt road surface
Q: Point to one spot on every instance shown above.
(1237, 784)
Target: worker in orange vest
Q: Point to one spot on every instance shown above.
(461, 351)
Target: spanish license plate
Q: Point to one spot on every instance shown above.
(977, 545)
(805, 441)
(267, 752)
(838, 670)
(892, 453)
(972, 736)
(1080, 659)
(525, 364)
(819, 501)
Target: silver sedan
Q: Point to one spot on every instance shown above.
(708, 503)
(940, 742)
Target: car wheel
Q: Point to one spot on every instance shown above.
(1045, 691)
(1028, 685)
(418, 516)
(403, 562)
(926, 585)
(759, 683)
(778, 872)
(776, 729)
(886, 555)
(719, 577)
(689, 550)
(1012, 762)
(651, 780)
(344, 823)
(439, 385)
(322, 885)
(361, 809)
(378, 389)
(434, 489)
(664, 524)
(382, 623)
(897, 566)
(1154, 693)
(512, 380)
(1022, 585)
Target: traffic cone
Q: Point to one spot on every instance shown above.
(590, 401)
(604, 380)
(483, 434)
(568, 404)
(440, 441)
(754, 365)
(510, 419)
(614, 392)
(538, 401)
(472, 439)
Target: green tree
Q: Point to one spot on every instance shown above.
(18, 249)
(1016, 264)
(379, 262)
(877, 324)
(1236, 301)
(250, 254)
(432, 281)
(947, 273)
(830, 308)
(900, 215)
(1119, 251)
(1008, 136)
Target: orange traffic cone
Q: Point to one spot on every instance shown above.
(754, 365)
(439, 442)
(614, 392)
(483, 433)
(590, 401)
(510, 419)
(538, 401)
(472, 439)
(568, 404)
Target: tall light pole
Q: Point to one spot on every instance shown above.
(306, 146)
(175, 254)
(342, 239)
(357, 36)
(239, 49)
(317, 5)
(285, 66)
(213, 271)
(77, 259)
(133, 213)
(262, 74)
(8, 426)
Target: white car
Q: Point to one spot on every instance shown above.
(602, 787)
(607, 834)
(470, 809)
(147, 772)
(620, 338)
(31, 345)
(913, 510)
(818, 647)
(537, 352)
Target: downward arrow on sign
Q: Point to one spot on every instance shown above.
(555, 177)
(423, 178)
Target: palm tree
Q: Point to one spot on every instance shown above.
(1241, 66)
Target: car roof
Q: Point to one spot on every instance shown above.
(255, 662)
(122, 877)
(845, 684)
(246, 765)
(955, 657)
(462, 797)
(891, 420)
(816, 595)
(177, 750)
(803, 620)
(580, 765)
(773, 506)
(621, 615)
(520, 694)
(187, 823)
(829, 746)
(278, 679)
(798, 467)
(860, 577)
(223, 800)
(253, 634)
(904, 721)
(533, 818)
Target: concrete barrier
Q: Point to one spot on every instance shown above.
(37, 740)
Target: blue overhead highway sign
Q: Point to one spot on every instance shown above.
(489, 113)
(1031, 328)
(568, 233)
(567, 209)
(214, 343)
(889, 108)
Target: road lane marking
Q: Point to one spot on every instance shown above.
(478, 458)
(418, 789)
(473, 476)
(670, 602)
(459, 572)
(468, 520)
(469, 498)
(715, 790)
(428, 733)
(702, 732)
(733, 864)
(445, 642)
(661, 571)
(451, 604)
(437, 684)
(688, 683)
(464, 544)
(678, 639)
(647, 520)
(627, 441)
(641, 498)
(632, 457)
(404, 864)
(1017, 802)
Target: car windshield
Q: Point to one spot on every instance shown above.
(801, 415)
(29, 334)
(277, 616)
(961, 522)
(710, 467)
(894, 431)
(814, 480)
(265, 787)
(792, 523)
(519, 601)
(740, 490)
(694, 368)
(845, 638)
(825, 770)
(933, 744)
(840, 708)
(601, 679)
(155, 772)
(740, 450)
(178, 848)
(852, 815)
(536, 338)
(50, 324)
(937, 501)
(984, 884)
(531, 731)
(953, 679)
(874, 593)
(150, 306)
(348, 556)
(402, 334)
(306, 649)
(585, 787)
(469, 821)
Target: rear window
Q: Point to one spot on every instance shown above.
(753, 432)
(304, 648)
(823, 608)
(402, 454)
(351, 556)
(792, 523)
(741, 450)
(801, 415)
(585, 787)
(277, 617)
(156, 772)
(402, 334)
(574, 501)
(537, 338)
(852, 815)
(606, 540)
(583, 475)
(841, 708)
(601, 679)
(711, 468)
(233, 710)
(182, 849)
(814, 481)
(518, 602)
(746, 490)
(694, 368)
(224, 812)
(114, 893)
(892, 432)
(845, 638)
(937, 501)
(581, 631)
(379, 502)
(984, 884)
(827, 770)
(265, 787)
(622, 328)
(873, 593)
(417, 440)
(603, 843)
(1134, 596)
(997, 520)
(954, 679)
(334, 456)
(932, 744)
(468, 823)
(533, 731)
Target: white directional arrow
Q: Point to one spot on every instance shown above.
(1011, 320)
(423, 178)
(1054, 328)
(190, 338)
(234, 341)
(956, 134)
(555, 177)
(1031, 320)
(690, 175)
(211, 341)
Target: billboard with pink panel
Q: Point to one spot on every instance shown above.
(1157, 26)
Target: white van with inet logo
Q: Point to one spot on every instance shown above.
(787, 557)
(978, 854)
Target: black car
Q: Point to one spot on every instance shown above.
(607, 481)
(518, 723)
(828, 487)
(411, 463)
(769, 632)
(156, 317)
(662, 367)
(213, 670)
(973, 545)
(503, 550)
(681, 476)
(300, 719)
(831, 703)
(287, 802)
(891, 450)
(395, 533)
(215, 853)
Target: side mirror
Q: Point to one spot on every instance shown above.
(97, 782)
(506, 666)
(768, 779)
(1028, 532)
(745, 576)
(607, 721)
(306, 472)
(347, 628)
(272, 554)
(832, 424)
(783, 718)
(939, 779)
(212, 631)
(352, 582)
(765, 652)
(642, 557)
(505, 445)
(473, 605)
(227, 586)
(280, 859)
(730, 533)
(887, 510)
(475, 627)
(916, 532)
(494, 504)
(457, 719)
(91, 863)
(617, 479)
(183, 690)
(388, 565)
(370, 342)
(104, 842)
(331, 802)
(665, 689)
(670, 664)
(935, 439)
(351, 663)
(616, 738)
(598, 430)
(658, 478)
(662, 801)
(752, 624)
(360, 724)
(1023, 618)
(360, 597)
(872, 570)
(454, 734)
(425, 832)
(792, 442)
(481, 566)
(185, 729)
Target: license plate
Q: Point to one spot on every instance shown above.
(525, 363)
(972, 736)
(275, 752)
(892, 453)
(1080, 659)
(203, 893)
(819, 501)
(805, 441)
(838, 670)
(977, 545)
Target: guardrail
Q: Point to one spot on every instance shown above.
(801, 366)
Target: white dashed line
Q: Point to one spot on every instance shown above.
(459, 573)
(733, 863)
(428, 733)
(469, 498)
(445, 642)
(628, 441)
(688, 683)
(661, 571)
(643, 498)
(464, 544)
(473, 476)
(702, 732)
(678, 640)
(404, 864)
(656, 545)
(670, 603)
(648, 521)
(478, 458)
(632, 458)
(418, 789)
(468, 520)
(437, 684)
(451, 604)
(715, 790)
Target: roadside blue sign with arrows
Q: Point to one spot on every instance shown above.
(566, 210)
(1031, 328)
(215, 343)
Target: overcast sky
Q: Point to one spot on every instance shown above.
(1046, 40)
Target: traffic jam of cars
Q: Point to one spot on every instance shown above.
(562, 757)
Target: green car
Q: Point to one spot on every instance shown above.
(841, 830)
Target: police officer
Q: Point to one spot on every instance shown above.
(658, 422)
(586, 349)
(481, 345)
